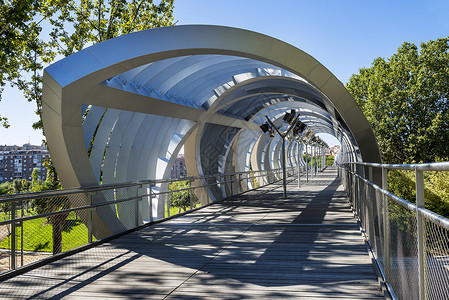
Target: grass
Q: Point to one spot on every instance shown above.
(37, 235)
(174, 210)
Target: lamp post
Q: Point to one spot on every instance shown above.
(292, 120)
(284, 171)
(297, 133)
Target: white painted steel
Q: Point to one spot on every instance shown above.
(150, 93)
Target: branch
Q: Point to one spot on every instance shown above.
(135, 15)
(108, 31)
(85, 18)
(3, 29)
(99, 20)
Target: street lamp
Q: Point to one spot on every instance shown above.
(297, 133)
(269, 128)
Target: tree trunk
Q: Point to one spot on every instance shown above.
(58, 226)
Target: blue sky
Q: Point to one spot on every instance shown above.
(343, 35)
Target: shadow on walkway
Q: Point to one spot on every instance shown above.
(257, 244)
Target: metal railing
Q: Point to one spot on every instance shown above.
(409, 242)
(36, 227)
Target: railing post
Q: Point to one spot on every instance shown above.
(21, 235)
(386, 225)
(323, 162)
(307, 166)
(284, 172)
(167, 203)
(312, 153)
(136, 207)
(89, 218)
(419, 185)
(150, 213)
(299, 168)
(370, 173)
(324, 158)
(13, 236)
(190, 193)
(239, 183)
(232, 181)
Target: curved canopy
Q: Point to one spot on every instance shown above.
(121, 110)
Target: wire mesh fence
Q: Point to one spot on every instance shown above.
(409, 242)
(37, 226)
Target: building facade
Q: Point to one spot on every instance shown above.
(18, 162)
(333, 151)
(179, 168)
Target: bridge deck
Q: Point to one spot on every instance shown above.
(255, 246)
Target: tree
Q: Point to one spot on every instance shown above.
(182, 197)
(5, 188)
(35, 182)
(20, 45)
(74, 24)
(405, 99)
(20, 186)
(51, 204)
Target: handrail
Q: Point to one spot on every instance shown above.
(410, 243)
(430, 215)
(234, 183)
(437, 166)
(77, 190)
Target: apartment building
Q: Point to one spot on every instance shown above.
(18, 162)
(179, 167)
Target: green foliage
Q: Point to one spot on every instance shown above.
(330, 160)
(436, 189)
(310, 159)
(405, 99)
(5, 188)
(55, 233)
(51, 204)
(80, 23)
(254, 180)
(38, 235)
(4, 121)
(22, 51)
(402, 223)
(402, 184)
(74, 24)
(20, 186)
(182, 197)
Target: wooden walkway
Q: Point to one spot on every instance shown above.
(257, 246)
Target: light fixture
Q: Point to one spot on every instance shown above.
(265, 127)
(299, 128)
(289, 116)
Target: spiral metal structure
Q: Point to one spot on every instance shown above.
(122, 110)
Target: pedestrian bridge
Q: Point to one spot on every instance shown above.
(248, 111)
(255, 245)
